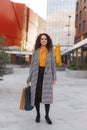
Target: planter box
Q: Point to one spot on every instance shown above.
(60, 68)
(9, 70)
(76, 73)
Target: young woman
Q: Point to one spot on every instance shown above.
(42, 75)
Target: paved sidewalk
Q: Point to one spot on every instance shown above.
(68, 112)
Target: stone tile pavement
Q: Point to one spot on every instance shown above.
(68, 112)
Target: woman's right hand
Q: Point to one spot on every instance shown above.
(27, 83)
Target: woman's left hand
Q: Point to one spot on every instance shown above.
(54, 82)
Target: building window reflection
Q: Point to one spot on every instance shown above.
(80, 16)
(76, 18)
(77, 6)
(84, 11)
(84, 1)
(79, 27)
(84, 25)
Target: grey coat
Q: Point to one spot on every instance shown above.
(49, 76)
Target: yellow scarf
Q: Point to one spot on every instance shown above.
(42, 57)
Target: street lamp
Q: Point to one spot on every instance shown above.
(68, 25)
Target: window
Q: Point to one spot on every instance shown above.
(84, 25)
(80, 16)
(80, 27)
(77, 18)
(84, 11)
(84, 1)
(77, 40)
(76, 30)
(85, 35)
(77, 6)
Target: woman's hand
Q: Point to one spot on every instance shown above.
(54, 82)
(27, 83)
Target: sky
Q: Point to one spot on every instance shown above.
(37, 6)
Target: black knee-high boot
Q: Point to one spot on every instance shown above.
(37, 104)
(47, 108)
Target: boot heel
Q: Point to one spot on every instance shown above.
(37, 119)
(48, 120)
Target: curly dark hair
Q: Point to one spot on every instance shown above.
(49, 44)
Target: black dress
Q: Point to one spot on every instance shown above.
(38, 95)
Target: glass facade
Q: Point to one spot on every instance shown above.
(61, 22)
(81, 21)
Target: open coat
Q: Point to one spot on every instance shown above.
(49, 76)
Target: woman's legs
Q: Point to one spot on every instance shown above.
(47, 108)
(37, 104)
(38, 95)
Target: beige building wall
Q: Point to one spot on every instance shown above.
(41, 25)
(36, 26)
(32, 30)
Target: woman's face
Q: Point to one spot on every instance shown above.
(43, 40)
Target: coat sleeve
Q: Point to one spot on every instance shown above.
(53, 66)
(31, 68)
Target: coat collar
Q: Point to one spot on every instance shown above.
(37, 51)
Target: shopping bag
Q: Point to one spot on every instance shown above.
(25, 102)
(22, 101)
(28, 99)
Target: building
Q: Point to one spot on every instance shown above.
(78, 54)
(12, 22)
(36, 25)
(81, 20)
(60, 22)
(20, 26)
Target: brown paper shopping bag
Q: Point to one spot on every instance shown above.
(22, 100)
